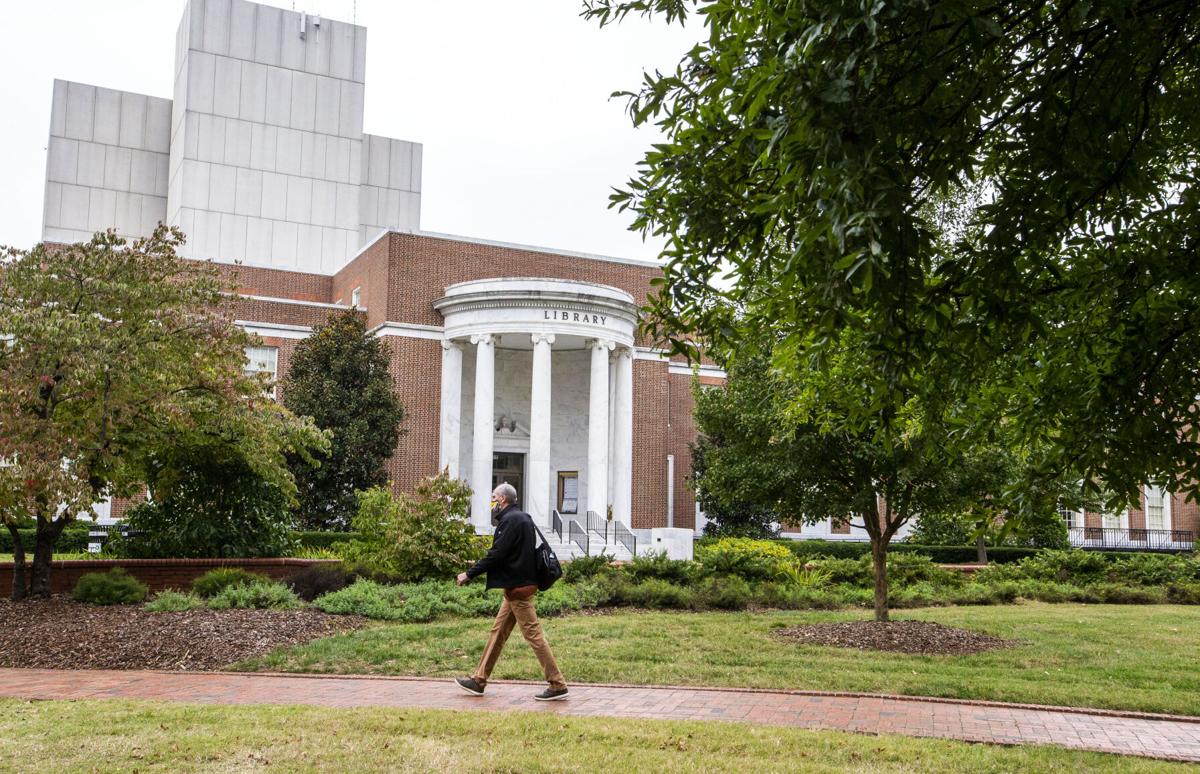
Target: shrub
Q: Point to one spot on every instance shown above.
(657, 593)
(1184, 593)
(425, 535)
(365, 598)
(906, 569)
(323, 539)
(855, 572)
(316, 553)
(1120, 594)
(412, 603)
(807, 577)
(217, 580)
(313, 581)
(1153, 569)
(171, 601)
(744, 557)
(656, 565)
(255, 596)
(728, 592)
(115, 587)
(74, 538)
(584, 567)
(1074, 566)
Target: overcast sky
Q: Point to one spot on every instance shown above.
(510, 99)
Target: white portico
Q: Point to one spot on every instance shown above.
(537, 375)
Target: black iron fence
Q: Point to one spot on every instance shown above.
(622, 535)
(1131, 539)
(556, 524)
(597, 524)
(578, 535)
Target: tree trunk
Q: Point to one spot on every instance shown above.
(43, 552)
(980, 549)
(879, 560)
(19, 589)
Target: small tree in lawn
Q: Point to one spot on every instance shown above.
(115, 351)
(339, 377)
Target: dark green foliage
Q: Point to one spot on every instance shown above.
(1154, 569)
(115, 587)
(215, 581)
(1184, 593)
(323, 538)
(658, 566)
(339, 377)
(209, 501)
(582, 567)
(728, 592)
(656, 593)
(74, 539)
(256, 595)
(315, 580)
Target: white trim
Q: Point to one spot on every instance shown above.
(408, 331)
(700, 370)
(535, 249)
(1166, 506)
(294, 302)
(275, 330)
(648, 353)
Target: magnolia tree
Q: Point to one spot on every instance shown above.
(113, 353)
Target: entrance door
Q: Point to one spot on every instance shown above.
(509, 468)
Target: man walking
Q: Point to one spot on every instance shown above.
(511, 565)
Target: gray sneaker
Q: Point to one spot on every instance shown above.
(552, 694)
(469, 685)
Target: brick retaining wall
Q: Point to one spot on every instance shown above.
(158, 574)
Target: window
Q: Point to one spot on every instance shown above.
(1157, 507)
(1110, 520)
(263, 360)
(1072, 518)
(355, 297)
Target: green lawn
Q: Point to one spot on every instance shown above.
(148, 736)
(1116, 656)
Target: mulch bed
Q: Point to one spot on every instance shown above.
(60, 633)
(921, 637)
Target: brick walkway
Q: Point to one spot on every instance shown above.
(1156, 736)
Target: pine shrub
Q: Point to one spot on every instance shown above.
(115, 587)
(259, 595)
(171, 601)
(213, 582)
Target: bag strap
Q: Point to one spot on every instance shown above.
(545, 542)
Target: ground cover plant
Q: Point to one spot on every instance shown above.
(1112, 656)
(115, 587)
(157, 736)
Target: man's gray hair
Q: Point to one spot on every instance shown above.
(507, 491)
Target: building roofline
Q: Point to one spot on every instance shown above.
(535, 248)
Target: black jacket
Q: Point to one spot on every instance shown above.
(512, 561)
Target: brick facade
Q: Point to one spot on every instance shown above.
(160, 574)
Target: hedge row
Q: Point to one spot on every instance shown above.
(315, 539)
(74, 539)
(842, 549)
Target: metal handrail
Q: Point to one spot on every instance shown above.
(576, 534)
(593, 519)
(625, 537)
(556, 523)
(1132, 538)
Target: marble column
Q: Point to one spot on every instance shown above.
(451, 424)
(536, 496)
(597, 473)
(622, 462)
(484, 435)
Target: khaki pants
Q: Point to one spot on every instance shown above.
(517, 608)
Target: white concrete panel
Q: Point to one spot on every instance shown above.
(279, 96)
(191, 135)
(228, 93)
(158, 125)
(207, 239)
(233, 237)
(91, 164)
(341, 51)
(337, 159)
(107, 126)
(133, 120)
(411, 215)
(253, 102)
(102, 209)
(312, 154)
(324, 203)
(161, 174)
(346, 207)
(350, 116)
(304, 101)
(329, 95)
(287, 151)
(400, 171)
(390, 208)
(299, 200)
(354, 168)
(117, 165)
(291, 52)
(143, 172)
(201, 85)
(418, 153)
(62, 160)
(308, 248)
(73, 213)
(81, 108)
(378, 161)
(195, 184)
(154, 211)
(64, 236)
(368, 205)
(58, 109)
(241, 29)
(274, 196)
(216, 26)
(283, 243)
(194, 20)
(248, 197)
(268, 28)
(237, 142)
(222, 187)
(128, 218)
(186, 223)
(316, 47)
(52, 205)
(332, 242)
(263, 139)
(360, 55)
(211, 141)
(258, 240)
